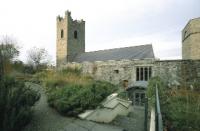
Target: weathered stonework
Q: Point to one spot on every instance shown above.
(191, 40)
(173, 72)
(184, 73)
(106, 70)
(70, 38)
(129, 74)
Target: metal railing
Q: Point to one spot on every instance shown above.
(146, 115)
(158, 115)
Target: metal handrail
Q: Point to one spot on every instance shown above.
(146, 115)
(158, 123)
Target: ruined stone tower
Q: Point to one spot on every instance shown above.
(70, 38)
(191, 40)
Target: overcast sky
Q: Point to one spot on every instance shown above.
(109, 23)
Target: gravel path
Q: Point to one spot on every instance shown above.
(47, 119)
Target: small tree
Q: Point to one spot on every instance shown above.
(8, 52)
(38, 58)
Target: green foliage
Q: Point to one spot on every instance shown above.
(75, 70)
(180, 107)
(8, 51)
(196, 85)
(38, 77)
(70, 93)
(16, 101)
(8, 48)
(73, 99)
(181, 111)
(153, 82)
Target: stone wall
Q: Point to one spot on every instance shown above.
(114, 71)
(173, 72)
(178, 72)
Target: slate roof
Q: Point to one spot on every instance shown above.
(133, 52)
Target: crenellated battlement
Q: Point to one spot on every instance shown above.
(59, 18)
(69, 18)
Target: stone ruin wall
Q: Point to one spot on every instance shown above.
(107, 70)
(184, 73)
(173, 72)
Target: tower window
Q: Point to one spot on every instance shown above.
(62, 34)
(75, 34)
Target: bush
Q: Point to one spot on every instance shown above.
(38, 77)
(70, 93)
(181, 110)
(73, 70)
(16, 101)
(73, 99)
(180, 107)
(153, 82)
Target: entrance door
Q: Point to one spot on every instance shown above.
(139, 99)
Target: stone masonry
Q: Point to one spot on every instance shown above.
(173, 72)
(186, 72)
(70, 38)
(191, 40)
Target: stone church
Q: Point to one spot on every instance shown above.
(129, 67)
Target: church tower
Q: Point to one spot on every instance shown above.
(191, 40)
(70, 40)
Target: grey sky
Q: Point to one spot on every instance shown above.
(109, 23)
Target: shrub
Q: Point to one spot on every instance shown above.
(15, 104)
(74, 70)
(70, 93)
(73, 99)
(153, 82)
(180, 107)
(181, 110)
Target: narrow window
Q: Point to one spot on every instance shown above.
(62, 33)
(141, 74)
(150, 72)
(75, 34)
(145, 73)
(116, 71)
(137, 74)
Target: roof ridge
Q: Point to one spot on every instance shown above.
(119, 48)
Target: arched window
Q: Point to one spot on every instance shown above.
(75, 34)
(62, 34)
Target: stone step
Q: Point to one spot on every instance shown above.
(133, 122)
